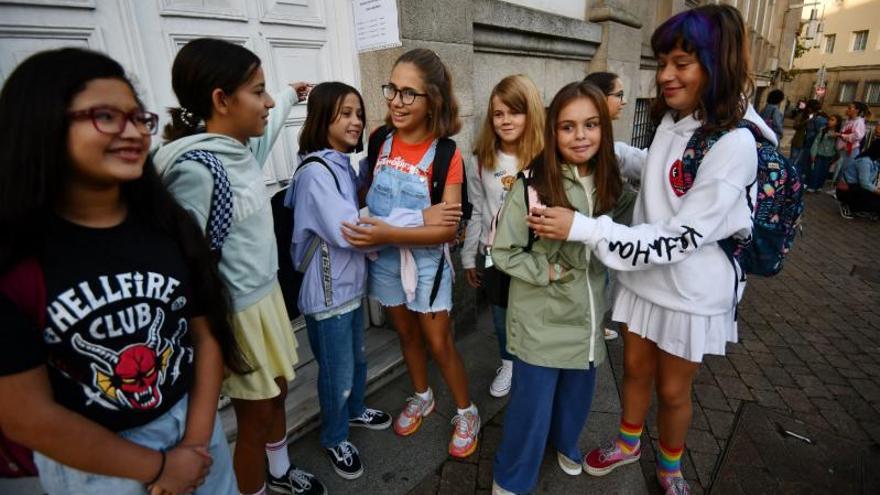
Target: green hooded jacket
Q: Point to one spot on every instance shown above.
(553, 324)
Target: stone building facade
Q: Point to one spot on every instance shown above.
(562, 41)
(842, 55)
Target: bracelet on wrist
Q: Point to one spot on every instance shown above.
(161, 470)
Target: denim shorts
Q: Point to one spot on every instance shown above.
(386, 287)
(162, 433)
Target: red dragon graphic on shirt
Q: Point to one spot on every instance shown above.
(680, 180)
(131, 378)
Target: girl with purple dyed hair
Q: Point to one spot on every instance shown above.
(673, 276)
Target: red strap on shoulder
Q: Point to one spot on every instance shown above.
(25, 287)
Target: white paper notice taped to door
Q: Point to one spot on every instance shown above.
(375, 23)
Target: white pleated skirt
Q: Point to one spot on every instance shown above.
(681, 334)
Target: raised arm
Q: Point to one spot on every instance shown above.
(284, 102)
(720, 186)
(630, 159)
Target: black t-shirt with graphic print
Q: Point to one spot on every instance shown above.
(116, 340)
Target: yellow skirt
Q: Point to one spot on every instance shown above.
(265, 336)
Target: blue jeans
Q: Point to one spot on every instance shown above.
(545, 404)
(499, 319)
(795, 154)
(338, 346)
(163, 433)
(843, 163)
(820, 172)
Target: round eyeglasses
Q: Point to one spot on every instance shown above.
(108, 120)
(407, 95)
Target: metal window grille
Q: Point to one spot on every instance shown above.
(643, 128)
(872, 92)
(829, 42)
(847, 92)
(860, 41)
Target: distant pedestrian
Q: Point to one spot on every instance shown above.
(816, 121)
(771, 113)
(801, 119)
(849, 140)
(859, 191)
(823, 152)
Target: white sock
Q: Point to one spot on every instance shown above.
(507, 363)
(261, 491)
(426, 395)
(279, 462)
(471, 408)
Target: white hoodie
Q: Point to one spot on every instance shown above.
(670, 256)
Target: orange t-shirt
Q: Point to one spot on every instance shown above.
(412, 154)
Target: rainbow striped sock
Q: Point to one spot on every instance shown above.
(669, 462)
(628, 437)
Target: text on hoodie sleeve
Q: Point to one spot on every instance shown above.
(720, 186)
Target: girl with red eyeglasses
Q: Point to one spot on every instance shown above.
(113, 313)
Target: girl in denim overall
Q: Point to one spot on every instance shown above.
(421, 110)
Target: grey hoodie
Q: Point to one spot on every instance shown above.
(249, 263)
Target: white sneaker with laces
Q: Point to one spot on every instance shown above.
(568, 466)
(503, 376)
(497, 490)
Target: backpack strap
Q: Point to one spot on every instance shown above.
(440, 170)
(220, 214)
(531, 233)
(316, 241)
(374, 146)
(318, 159)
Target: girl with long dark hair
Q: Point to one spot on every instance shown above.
(217, 143)
(557, 290)
(114, 379)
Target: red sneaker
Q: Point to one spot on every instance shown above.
(601, 461)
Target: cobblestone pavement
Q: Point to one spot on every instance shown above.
(809, 345)
(809, 349)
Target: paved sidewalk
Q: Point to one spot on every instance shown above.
(420, 464)
(809, 348)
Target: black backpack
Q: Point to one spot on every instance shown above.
(496, 283)
(443, 157)
(290, 277)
